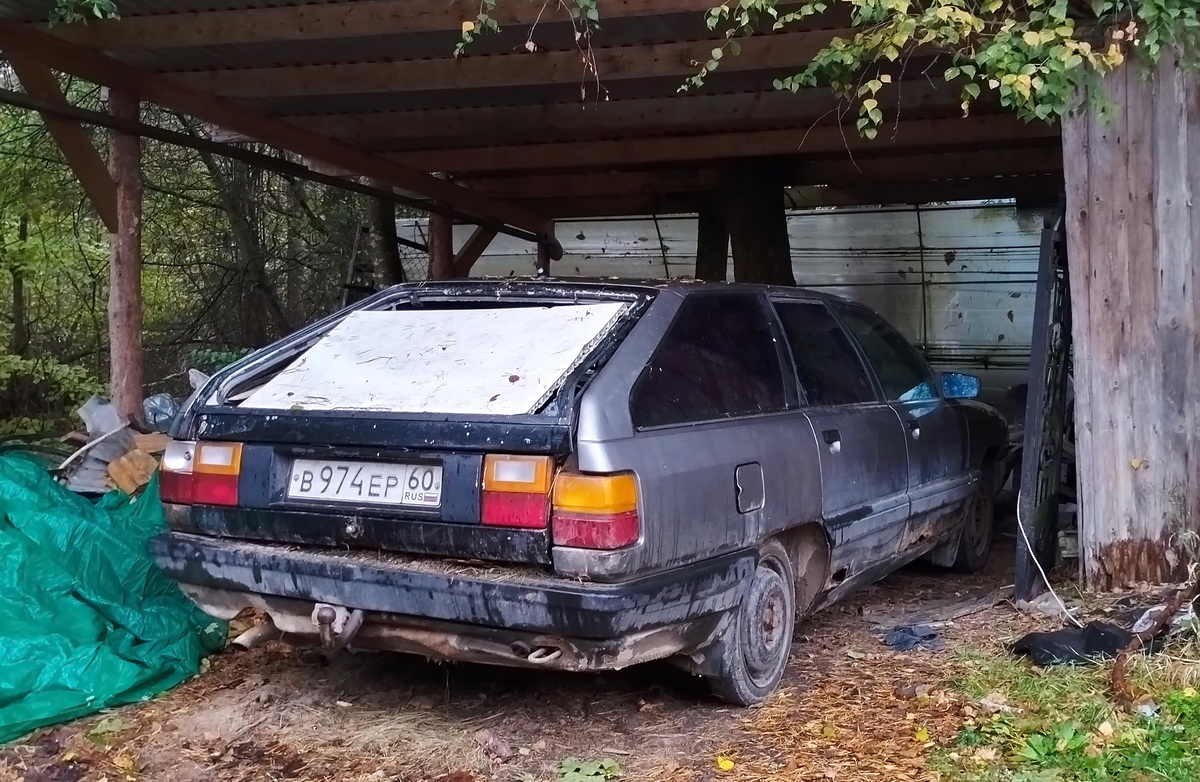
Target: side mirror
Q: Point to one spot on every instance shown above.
(956, 385)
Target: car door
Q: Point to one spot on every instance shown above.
(934, 426)
(861, 443)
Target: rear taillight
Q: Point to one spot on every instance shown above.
(201, 473)
(516, 491)
(595, 511)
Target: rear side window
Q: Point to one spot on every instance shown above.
(901, 370)
(717, 360)
(829, 368)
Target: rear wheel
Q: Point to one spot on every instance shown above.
(975, 540)
(751, 657)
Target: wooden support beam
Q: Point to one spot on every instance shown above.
(573, 120)
(592, 184)
(1133, 236)
(470, 252)
(125, 263)
(752, 192)
(967, 132)
(507, 70)
(332, 20)
(58, 54)
(440, 242)
(712, 241)
(72, 139)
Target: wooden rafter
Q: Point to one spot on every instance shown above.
(507, 70)
(22, 40)
(397, 130)
(333, 20)
(72, 140)
(912, 134)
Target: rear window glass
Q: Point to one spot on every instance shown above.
(483, 361)
(717, 360)
(828, 366)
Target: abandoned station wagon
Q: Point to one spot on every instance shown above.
(573, 475)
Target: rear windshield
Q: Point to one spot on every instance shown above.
(476, 360)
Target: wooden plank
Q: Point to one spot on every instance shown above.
(132, 471)
(125, 263)
(466, 257)
(333, 20)
(507, 70)
(911, 134)
(426, 128)
(712, 241)
(603, 183)
(72, 139)
(58, 54)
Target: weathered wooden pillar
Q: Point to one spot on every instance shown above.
(440, 240)
(125, 262)
(1133, 247)
(754, 209)
(712, 241)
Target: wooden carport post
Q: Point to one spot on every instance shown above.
(1133, 235)
(754, 209)
(125, 261)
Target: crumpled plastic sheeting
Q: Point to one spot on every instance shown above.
(87, 621)
(906, 638)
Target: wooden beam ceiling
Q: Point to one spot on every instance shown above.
(58, 54)
(962, 133)
(334, 20)
(410, 130)
(508, 70)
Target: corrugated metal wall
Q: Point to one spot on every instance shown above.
(957, 280)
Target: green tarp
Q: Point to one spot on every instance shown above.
(87, 621)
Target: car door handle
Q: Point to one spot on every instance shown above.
(833, 440)
(914, 428)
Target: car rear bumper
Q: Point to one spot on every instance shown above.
(505, 605)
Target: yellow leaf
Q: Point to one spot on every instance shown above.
(993, 6)
(67, 757)
(1105, 729)
(468, 26)
(125, 762)
(829, 731)
(1190, 692)
(886, 78)
(1136, 463)
(1031, 38)
(922, 735)
(724, 763)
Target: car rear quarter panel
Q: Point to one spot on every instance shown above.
(687, 490)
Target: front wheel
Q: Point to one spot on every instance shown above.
(751, 657)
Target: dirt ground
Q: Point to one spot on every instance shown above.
(849, 709)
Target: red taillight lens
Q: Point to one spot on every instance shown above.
(595, 511)
(596, 531)
(516, 491)
(201, 473)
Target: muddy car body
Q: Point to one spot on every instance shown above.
(703, 464)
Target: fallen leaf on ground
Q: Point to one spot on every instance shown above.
(724, 763)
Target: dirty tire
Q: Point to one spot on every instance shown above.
(975, 540)
(752, 655)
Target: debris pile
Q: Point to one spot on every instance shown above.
(117, 453)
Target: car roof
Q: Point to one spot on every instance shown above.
(681, 286)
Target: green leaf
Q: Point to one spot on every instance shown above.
(717, 54)
(971, 89)
(952, 73)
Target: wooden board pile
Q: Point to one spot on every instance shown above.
(114, 454)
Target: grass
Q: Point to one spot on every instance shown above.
(1059, 725)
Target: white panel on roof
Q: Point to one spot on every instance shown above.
(502, 361)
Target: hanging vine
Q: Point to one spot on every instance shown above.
(1033, 55)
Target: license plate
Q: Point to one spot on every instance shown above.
(374, 483)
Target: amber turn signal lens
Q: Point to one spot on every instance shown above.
(521, 474)
(607, 494)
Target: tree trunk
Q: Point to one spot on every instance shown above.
(1133, 240)
(389, 268)
(440, 240)
(19, 341)
(125, 262)
(712, 242)
(754, 209)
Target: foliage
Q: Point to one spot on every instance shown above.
(1066, 730)
(1031, 56)
(75, 11)
(576, 770)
